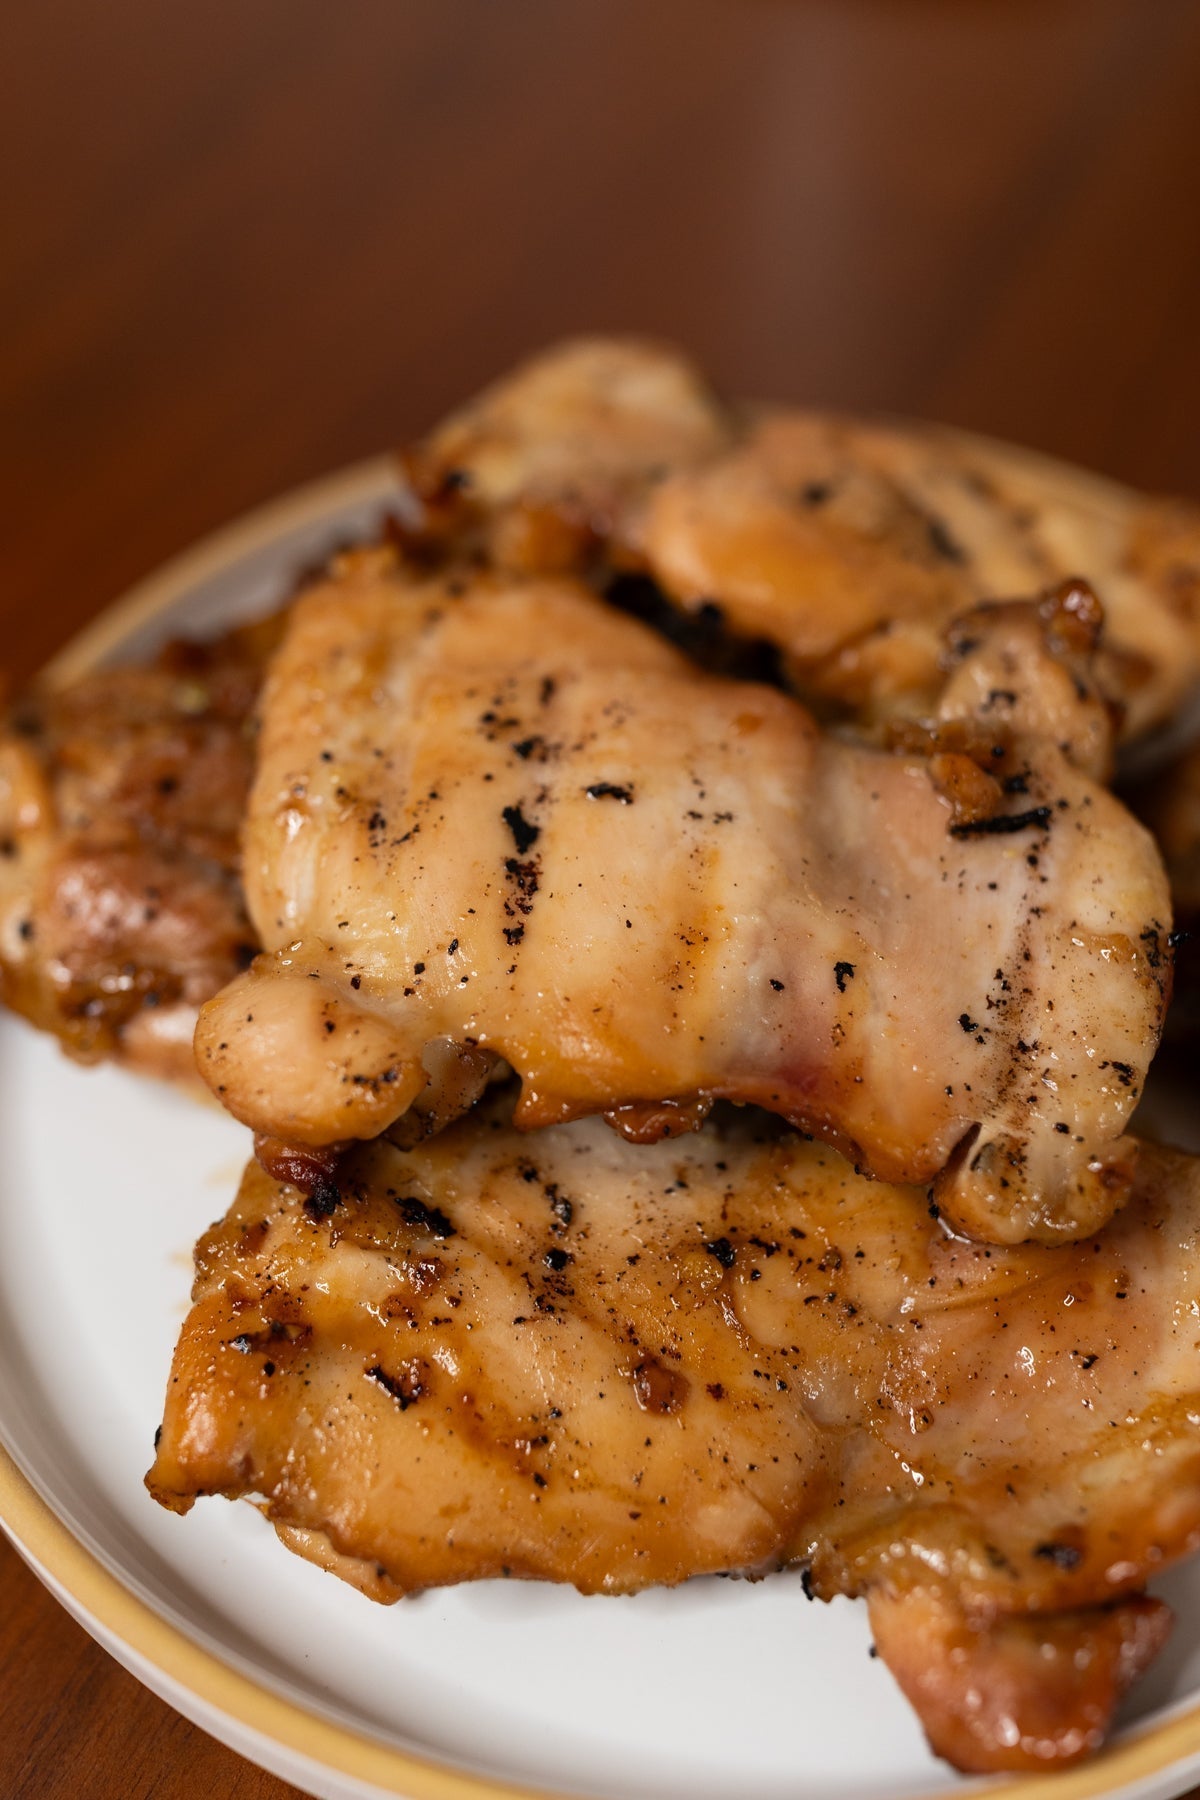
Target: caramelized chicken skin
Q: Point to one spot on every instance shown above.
(504, 816)
(848, 544)
(570, 1358)
(121, 802)
(851, 546)
(551, 463)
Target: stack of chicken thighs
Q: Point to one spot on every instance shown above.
(663, 912)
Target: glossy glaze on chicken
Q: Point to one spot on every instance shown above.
(848, 544)
(570, 1358)
(121, 804)
(499, 814)
(549, 465)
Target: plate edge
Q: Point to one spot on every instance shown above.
(372, 479)
(38, 1533)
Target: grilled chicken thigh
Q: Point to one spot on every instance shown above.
(502, 817)
(852, 545)
(551, 463)
(121, 801)
(571, 1358)
(849, 545)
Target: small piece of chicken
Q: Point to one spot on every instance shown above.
(570, 1358)
(121, 801)
(548, 463)
(847, 544)
(851, 545)
(503, 815)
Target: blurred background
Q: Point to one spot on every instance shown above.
(246, 242)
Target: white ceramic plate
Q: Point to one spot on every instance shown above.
(718, 1689)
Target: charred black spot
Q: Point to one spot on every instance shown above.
(943, 544)
(425, 1218)
(405, 1389)
(609, 790)
(524, 834)
(325, 1198)
(1038, 817)
(525, 878)
(702, 634)
(560, 1206)
(1063, 1556)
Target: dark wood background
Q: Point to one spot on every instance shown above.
(245, 242)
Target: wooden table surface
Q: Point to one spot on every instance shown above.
(247, 242)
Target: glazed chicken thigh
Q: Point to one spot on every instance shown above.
(571, 1358)
(851, 546)
(553, 462)
(121, 802)
(501, 817)
(848, 544)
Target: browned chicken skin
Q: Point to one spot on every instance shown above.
(570, 1358)
(497, 814)
(121, 803)
(851, 545)
(847, 544)
(547, 467)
